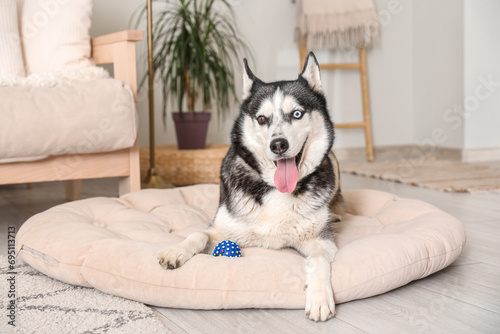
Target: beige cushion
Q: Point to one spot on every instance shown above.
(11, 56)
(112, 244)
(83, 117)
(55, 35)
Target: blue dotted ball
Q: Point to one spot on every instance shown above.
(227, 248)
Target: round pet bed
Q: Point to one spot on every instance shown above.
(112, 244)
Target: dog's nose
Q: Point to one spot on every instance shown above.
(279, 145)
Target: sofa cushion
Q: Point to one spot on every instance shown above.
(112, 244)
(81, 117)
(11, 56)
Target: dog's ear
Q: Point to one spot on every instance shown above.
(249, 79)
(311, 73)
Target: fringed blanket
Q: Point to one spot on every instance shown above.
(332, 24)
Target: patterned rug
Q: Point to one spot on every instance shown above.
(431, 173)
(35, 303)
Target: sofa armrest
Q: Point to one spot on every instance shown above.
(119, 49)
(121, 36)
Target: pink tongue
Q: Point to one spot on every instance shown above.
(286, 175)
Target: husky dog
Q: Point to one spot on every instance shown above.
(279, 182)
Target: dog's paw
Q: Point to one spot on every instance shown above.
(320, 305)
(174, 257)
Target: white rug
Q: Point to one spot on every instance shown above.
(44, 305)
(431, 173)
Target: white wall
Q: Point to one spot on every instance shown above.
(268, 26)
(437, 71)
(456, 73)
(482, 73)
(421, 67)
(389, 76)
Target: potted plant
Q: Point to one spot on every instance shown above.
(195, 44)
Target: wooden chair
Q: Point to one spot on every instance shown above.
(361, 66)
(117, 49)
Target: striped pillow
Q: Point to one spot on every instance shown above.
(55, 35)
(11, 56)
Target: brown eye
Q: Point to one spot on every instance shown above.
(262, 120)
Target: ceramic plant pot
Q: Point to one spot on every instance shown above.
(191, 129)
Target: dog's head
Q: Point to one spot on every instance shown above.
(284, 126)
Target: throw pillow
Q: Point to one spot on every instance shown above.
(11, 56)
(55, 35)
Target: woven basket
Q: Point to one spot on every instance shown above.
(186, 167)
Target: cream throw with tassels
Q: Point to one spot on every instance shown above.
(331, 24)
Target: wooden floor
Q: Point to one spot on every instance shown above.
(463, 298)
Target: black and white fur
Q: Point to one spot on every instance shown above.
(252, 212)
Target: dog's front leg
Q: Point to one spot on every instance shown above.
(178, 254)
(319, 253)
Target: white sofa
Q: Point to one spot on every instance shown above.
(61, 117)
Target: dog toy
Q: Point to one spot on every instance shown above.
(227, 248)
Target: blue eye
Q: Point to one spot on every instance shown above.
(297, 114)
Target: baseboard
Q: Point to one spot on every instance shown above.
(481, 154)
(416, 152)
